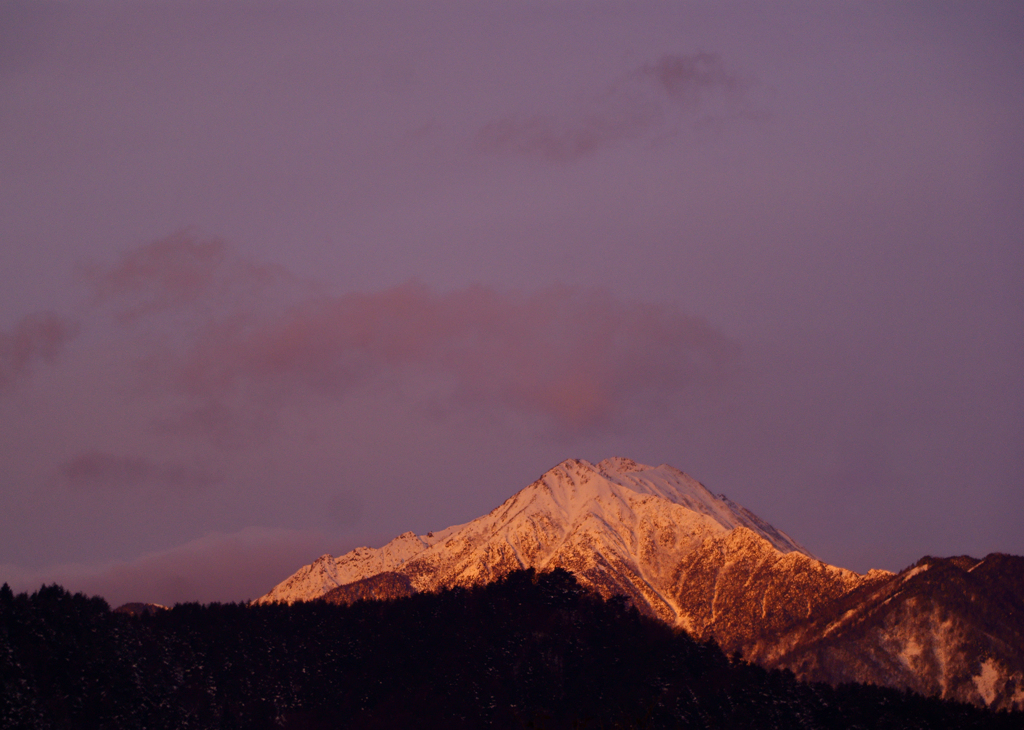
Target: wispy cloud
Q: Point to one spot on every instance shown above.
(98, 470)
(36, 337)
(558, 139)
(656, 98)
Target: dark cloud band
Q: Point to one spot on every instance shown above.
(36, 337)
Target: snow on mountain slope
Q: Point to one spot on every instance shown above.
(327, 572)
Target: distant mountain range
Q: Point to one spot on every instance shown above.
(952, 628)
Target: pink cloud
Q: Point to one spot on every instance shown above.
(175, 272)
(575, 358)
(36, 337)
(579, 359)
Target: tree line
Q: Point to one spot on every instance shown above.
(533, 650)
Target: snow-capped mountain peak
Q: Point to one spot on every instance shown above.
(577, 482)
(617, 524)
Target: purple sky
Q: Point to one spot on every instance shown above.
(282, 279)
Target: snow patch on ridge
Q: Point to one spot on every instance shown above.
(915, 571)
(911, 651)
(986, 681)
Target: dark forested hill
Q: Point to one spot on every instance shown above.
(382, 586)
(532, 650)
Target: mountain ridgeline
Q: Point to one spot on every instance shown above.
(951, 628)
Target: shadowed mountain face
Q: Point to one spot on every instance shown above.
(707, 565)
